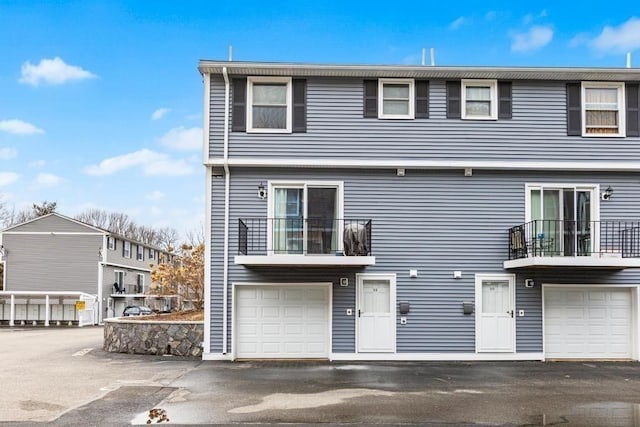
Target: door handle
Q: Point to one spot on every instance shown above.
(510, 312)
(359, 312)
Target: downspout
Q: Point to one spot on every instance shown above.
(225, 271)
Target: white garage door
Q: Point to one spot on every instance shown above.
(587, 323)
(282, 321)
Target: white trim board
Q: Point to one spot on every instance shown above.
(340, 163)
(434, 357)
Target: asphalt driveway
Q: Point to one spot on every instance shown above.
(59, 378)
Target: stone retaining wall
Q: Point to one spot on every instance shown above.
(157, 338)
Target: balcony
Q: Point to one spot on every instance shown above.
(297, 241)
(577, 244)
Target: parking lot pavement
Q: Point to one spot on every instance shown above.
(45, 372)
(62, 376)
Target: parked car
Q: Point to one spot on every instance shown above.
(136, 310)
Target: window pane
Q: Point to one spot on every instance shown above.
(395, 107)
(287, 221)
(322, 233)
(602, 118)
(495, 297)
(400, 91)
(269, 94)
(475, 93)
(478, 108)
(601, 97)
(269, 117)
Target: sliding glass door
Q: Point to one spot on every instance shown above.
(305, 219)
(561, 221)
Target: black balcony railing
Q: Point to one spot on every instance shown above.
(574, 238)
(304, 236)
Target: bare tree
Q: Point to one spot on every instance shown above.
(44, 208)
(121, 224)
(195, 237)
(168, 238)
(95, 217)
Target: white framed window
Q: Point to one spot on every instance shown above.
(111, 243)
(269, 104)
(603, 109)
(140, 283)
(396, 98)
(480, 99)
(140, 253)
(563, 219)
(126, 249)
(305, 217)
(152, 254)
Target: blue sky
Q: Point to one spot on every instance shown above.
(101, 102)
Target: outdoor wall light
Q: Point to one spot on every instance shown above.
(607, 193)
(262, 191)
(3, 252)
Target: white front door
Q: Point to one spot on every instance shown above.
(376, 313)
(495, 321)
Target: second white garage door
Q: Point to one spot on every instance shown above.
(585, 323)
(288, 321)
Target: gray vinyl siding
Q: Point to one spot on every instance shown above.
(336, 129)
(115, 256)
(433, 221)
(53, 223)
(47, 262)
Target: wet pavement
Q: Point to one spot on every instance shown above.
(68, 380)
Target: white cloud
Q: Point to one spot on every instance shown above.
(182, 139)
(155, 195)
(579, 39)
(155, 211)
(160, 113)
(37, 164)
(48, 180)
(19, 127)
(8, 153)
(625, 37)
(7, 178)
(457, 23)
(52, 71)
(151, 162)
(536, 38)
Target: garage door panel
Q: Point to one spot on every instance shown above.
(587, 323)
(290, 321)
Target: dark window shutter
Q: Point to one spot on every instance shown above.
(239, 109)
(422, 99)
(574, 110)
(299, 106)
(453, 99)
(633, 110)
(504, 100)
(371, 98)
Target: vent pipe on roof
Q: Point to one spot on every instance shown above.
(628, 59)
(424, 56)
(433, 57)
(230, 53)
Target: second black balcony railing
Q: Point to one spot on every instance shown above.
(304, 236)
(575, 238)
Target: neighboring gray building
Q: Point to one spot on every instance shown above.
(421, 213)
(55, 255)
